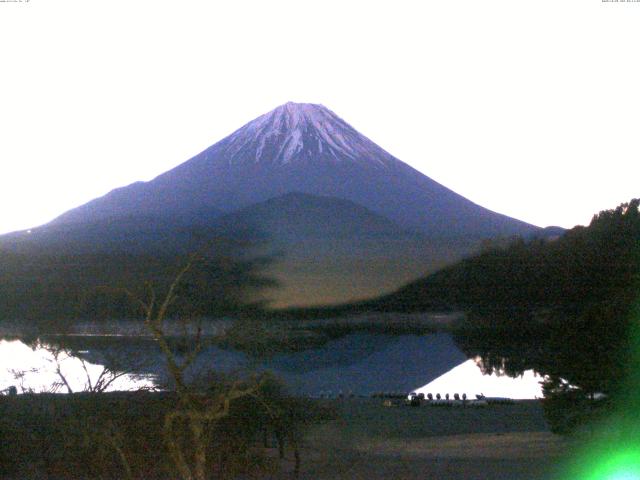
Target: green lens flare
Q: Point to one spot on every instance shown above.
(606, 465)
(613, 452)
(624, 466)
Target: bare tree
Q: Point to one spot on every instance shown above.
(112, 370)
(100, 380)
(194, 410)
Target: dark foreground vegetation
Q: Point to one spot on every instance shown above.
(121, 435)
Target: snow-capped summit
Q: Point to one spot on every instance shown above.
(302, 132)
(306, 148)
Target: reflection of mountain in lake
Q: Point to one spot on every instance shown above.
(361, 364)
(358, 363)
(341, 353)
(364, 363)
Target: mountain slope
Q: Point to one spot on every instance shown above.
(344, 219)
(329, 250)
(304, 148)
(130, 234)
(295, 216)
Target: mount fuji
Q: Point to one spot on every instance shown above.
(302, 148)
(347, 219)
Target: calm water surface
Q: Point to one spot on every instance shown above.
(360, 364)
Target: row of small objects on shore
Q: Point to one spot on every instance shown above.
(420, 399)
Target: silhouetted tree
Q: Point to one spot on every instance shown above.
(561, 307)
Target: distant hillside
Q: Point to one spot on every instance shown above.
(295, 216)
(585, 262)
(328, 250)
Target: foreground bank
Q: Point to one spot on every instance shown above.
(119, 435)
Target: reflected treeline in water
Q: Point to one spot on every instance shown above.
(360, 363)
(44, 367)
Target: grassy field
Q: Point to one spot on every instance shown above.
(370, 441)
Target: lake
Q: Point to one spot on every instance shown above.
(358, 364)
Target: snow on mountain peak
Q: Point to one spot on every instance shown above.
(303, 131)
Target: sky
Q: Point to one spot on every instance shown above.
(529, 108)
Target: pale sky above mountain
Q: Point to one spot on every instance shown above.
(527, 108)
